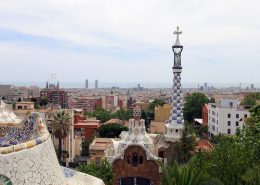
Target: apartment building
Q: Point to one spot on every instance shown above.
(226, 117)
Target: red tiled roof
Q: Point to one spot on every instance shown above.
(204, 145)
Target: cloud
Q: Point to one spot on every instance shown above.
(130, 40)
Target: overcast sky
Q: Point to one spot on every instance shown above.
(129, 40)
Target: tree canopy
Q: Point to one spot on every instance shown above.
(104, 115)
(61, 127)
(193, 106)
(122, 114)
(251, 99)
(183, 150)
(235, 160)
(186, 175)
(111, 130)
(103, 171)
(43, 102)
(156, 102)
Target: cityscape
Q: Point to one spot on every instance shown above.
(118, 99)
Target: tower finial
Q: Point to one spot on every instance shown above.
(177, 32)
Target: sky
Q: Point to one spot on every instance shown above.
(129, 40)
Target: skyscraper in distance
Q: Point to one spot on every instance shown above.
(86, 84)
(96, 84)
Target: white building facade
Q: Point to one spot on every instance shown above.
(226, 117)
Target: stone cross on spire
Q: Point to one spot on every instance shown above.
(177, 32)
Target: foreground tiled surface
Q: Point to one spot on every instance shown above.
(39, 165)
(27, 156)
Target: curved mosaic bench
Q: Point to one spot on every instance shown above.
(31, 132)
(27, 157)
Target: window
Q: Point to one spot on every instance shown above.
(237, 123)
(231, 104)
(141, 159)
(237, 115)
(229, 131)
(135, 159)
(213, 120)
(19, 107)
(176, 130)
(161, 154)
(229, 115)
(229, 123)
(245, 115)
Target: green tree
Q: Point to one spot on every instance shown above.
(201, 131)
(186, 175)
(147, 116)
(103, 171)
(85, 148)
(101, 114)
(235, 159)
(250, 136)
(252, 175)
(228, 161)
(193, 106)
(186, 145)
(122, 114)
(216, 139)
(155, 103)
(43, 102)
(33, 100)
(249, 101)
(61, 127)
(36, 103)
(111, 130)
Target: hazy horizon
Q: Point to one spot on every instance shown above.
(101, 84)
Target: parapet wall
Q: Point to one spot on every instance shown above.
(36, 165)
(27, 157)
(39, 166)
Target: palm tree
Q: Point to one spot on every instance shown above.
(61, 127)
(185, 175)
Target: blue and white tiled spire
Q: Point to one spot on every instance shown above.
(175, 124)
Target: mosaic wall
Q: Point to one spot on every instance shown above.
(27, 157)
(15, 134)
(39, 166)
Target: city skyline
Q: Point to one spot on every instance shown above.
(111, 41)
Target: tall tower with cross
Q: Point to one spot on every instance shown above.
(175, 124)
